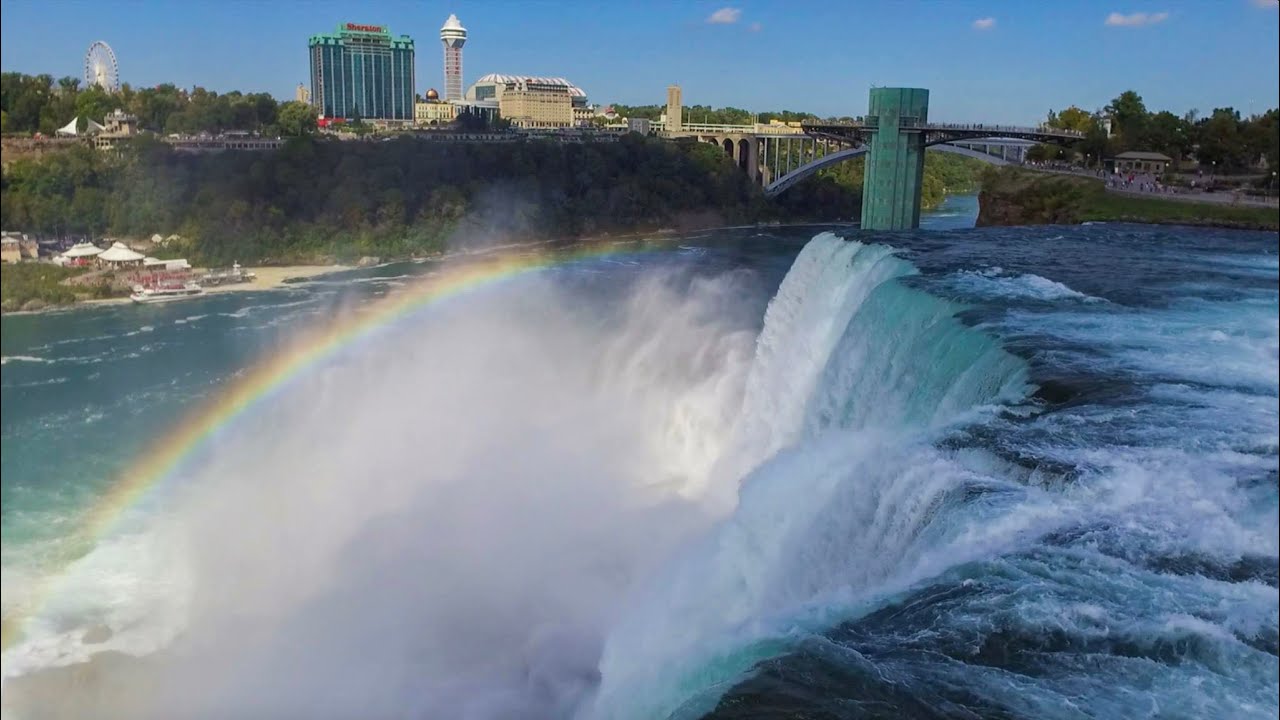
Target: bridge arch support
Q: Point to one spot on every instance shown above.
(787, 181)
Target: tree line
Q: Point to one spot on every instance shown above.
(328, 199)
(37, 104)
(1223, 139)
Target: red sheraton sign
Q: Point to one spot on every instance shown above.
(365, 28)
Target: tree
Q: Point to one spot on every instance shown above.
(296, 118)
(472, 122)
(1129, 117)
(1167, 133)
(1262, 138)
(1042, 153)
(153, 106)
(1222, 145)
(94, 103)
(68, 85)
(1073, 118)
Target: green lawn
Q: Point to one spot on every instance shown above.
(31, 281)
(1015, 196)
(1115, 206)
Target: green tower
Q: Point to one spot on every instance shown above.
(895, 165)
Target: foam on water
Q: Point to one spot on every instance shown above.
(131, 591)
(644, 503)
(1131, 542)
(845, 511)
(995, 283)
(21, 358)
(807, 317)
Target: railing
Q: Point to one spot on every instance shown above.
(872, 123)
(710, 128)
(758, 129)
(980, 127)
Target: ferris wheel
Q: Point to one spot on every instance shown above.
(100, 67)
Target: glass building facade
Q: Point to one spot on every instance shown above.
(362, 71)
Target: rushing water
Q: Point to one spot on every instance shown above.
(1022, 472)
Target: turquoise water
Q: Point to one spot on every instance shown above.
(1020, 472)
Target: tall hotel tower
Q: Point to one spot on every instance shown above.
(454, 36)
(362, 71)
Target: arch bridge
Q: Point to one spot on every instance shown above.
(785, 161)
(895, 135)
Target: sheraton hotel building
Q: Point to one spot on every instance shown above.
(361, 71)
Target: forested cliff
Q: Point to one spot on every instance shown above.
(402, 196)
(321, 199)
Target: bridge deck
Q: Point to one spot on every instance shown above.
(936, 133)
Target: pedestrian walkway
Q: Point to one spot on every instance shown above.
(1147, 185)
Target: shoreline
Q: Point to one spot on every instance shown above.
(268, 278)
(1013, 196)
(278, 277)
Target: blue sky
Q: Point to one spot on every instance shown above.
(983, 60)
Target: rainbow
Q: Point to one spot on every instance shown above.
(166, 457)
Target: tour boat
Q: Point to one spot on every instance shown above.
(165, 293)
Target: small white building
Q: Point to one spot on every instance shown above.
(10, 250)
(1143, 162)
(151, 263)
(79, 254)
(119, 255)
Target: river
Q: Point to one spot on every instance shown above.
(742, 473)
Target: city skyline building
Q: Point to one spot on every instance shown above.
(492, 86)
(361, 71)
(675, 109)
(531, 104)
(453, 36)
(431, 110)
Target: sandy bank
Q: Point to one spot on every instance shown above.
(271, 278)
(268, 278)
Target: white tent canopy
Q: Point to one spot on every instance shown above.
(82, 250)
(120, 253)
(92, 128)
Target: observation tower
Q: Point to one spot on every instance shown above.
(454, 36)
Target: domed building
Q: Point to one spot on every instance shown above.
(431, 111)
(532, 102)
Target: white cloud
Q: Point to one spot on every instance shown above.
(1266, 3)
(1137, 19)
(725, 16)
(985, 23)
(755, 27)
